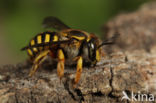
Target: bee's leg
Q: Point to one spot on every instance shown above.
(79, 70)
(60, 64)
(37, 61)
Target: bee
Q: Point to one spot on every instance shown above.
(66, 46)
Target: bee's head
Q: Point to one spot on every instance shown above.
(93, 52)
(94, 48)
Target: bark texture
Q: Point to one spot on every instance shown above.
(131, 66)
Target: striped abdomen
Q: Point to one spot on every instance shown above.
(45, 37)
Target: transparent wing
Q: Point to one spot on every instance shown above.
(53, 22)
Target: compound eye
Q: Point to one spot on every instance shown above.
(92, 45)
(92, 51)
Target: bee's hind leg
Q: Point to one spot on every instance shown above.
(60, 64)
(37, 61)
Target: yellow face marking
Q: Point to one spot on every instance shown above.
(55, 38)
(39, 39)
(97, 55)
(79, 38)
(32, 42)
(29, 52)
(47, 38)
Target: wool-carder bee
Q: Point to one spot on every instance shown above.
(67, 46)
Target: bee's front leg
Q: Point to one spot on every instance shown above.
(79, 70)
(60, 64)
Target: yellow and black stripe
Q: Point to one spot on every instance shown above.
(42, 38)
(76, 34)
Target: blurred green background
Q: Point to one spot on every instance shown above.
(20, 20)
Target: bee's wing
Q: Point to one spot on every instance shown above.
(47, 44)
(53, 22)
